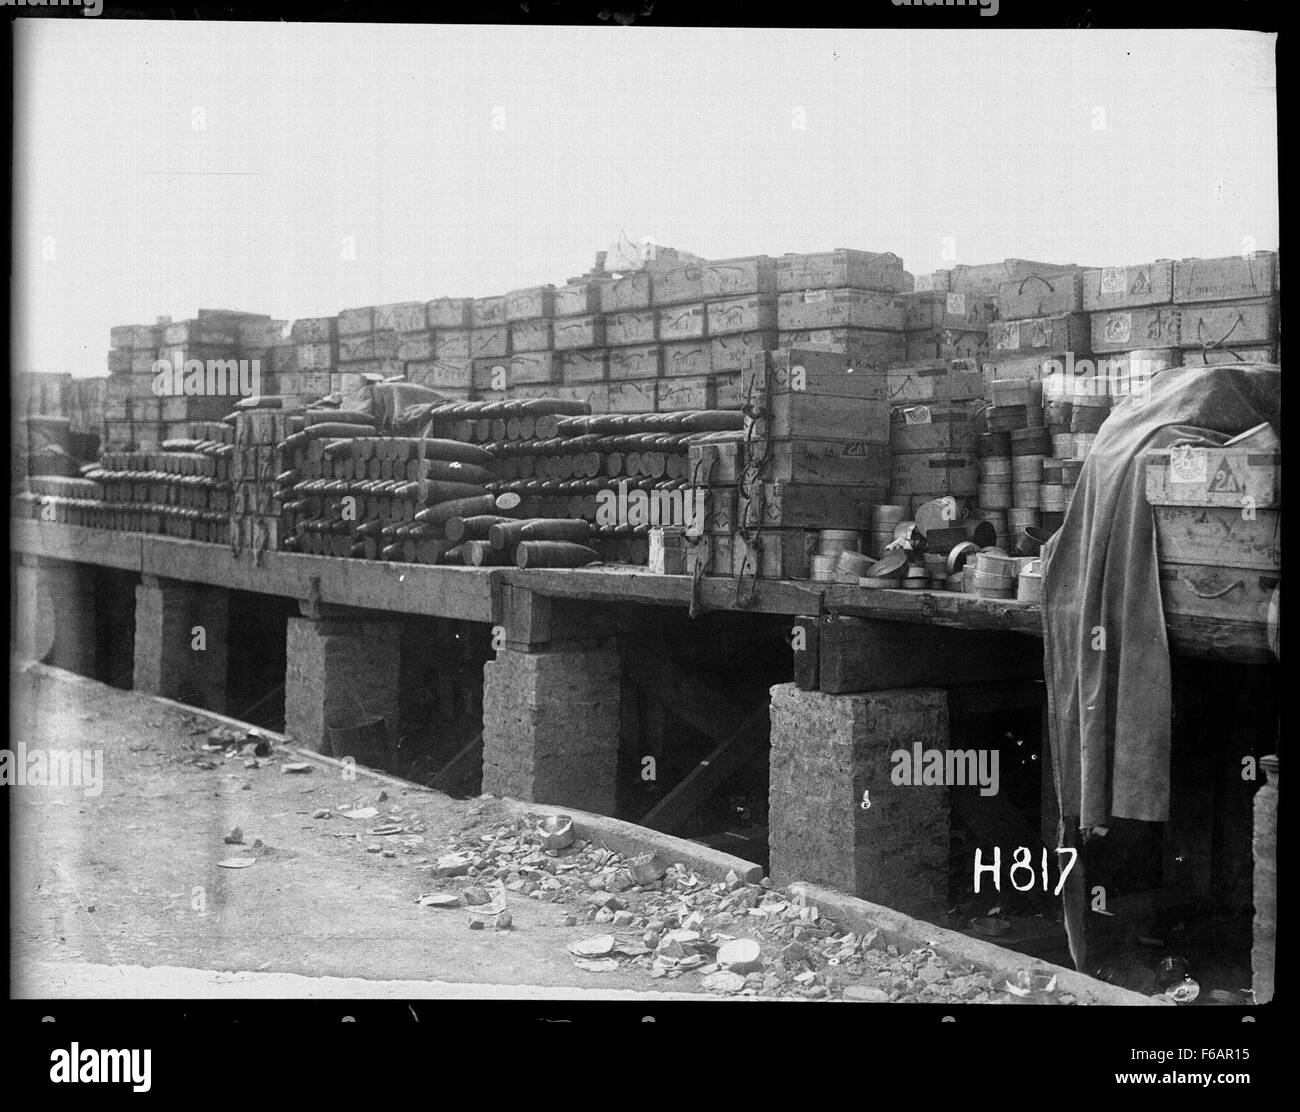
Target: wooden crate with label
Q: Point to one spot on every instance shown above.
(1218, 522)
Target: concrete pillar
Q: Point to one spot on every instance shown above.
(1263, 952)
(551, 725)
(826, 751)
(54, 618)
(182, 641)
(339, 672)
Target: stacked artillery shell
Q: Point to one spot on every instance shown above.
(349, 490)
(61, 499)
(181, 490)
(560, 464)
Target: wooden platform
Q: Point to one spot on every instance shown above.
(474, 594)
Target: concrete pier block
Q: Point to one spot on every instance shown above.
(54, 619)
(826, 751)
(1263, 952)
(339, 673)
(551, 726)
(182, 641)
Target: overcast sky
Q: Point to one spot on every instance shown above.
(173, 166)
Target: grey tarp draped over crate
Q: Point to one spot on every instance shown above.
(390, 401)
(1106, 657)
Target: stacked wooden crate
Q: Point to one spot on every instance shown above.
(438, 356)
(1132, 322)
(268, 342)
(369, 341)
(131, 358)
(631, 337)
(948, 324)
(141, 411)
(316, 353)
(1192, 311)
(578, 333)
(740, 325)
(815, 456)
(1040, 320)
(1218, 563)
(526, 329)
(847, 300)
(935, 410)
(40, 395)
(213, 335)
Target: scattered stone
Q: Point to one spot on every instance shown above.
(234, 838)
(476, 924)
(596, 946)
(390, 853)
(374, 847)
(930, 973)
(831, 977)
(452, 864)
(440, 899)
(795, 953)
(741, 955)
(504, 921)
(297, 767)
(570, 920)
(624, 919)
(323, 813)
(724, 982)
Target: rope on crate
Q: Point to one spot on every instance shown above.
(750, 477)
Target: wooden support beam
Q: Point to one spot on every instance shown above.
(856, 654)
(474, 594)
(526, 616)
(450, 775)
(709, 775)
(807, 632)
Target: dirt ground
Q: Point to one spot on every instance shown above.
(132, 877)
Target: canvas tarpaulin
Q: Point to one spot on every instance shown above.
(1106, 656)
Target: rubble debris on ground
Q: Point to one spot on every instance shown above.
(739, 939)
